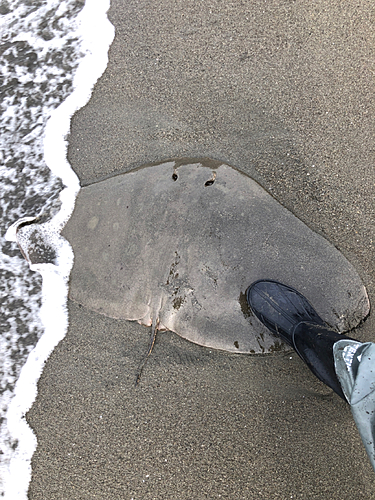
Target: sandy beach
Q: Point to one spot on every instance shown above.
(283, 91)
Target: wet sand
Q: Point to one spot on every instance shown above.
(284, 92)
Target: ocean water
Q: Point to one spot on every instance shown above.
(50, 58)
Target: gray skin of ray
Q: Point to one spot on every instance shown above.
(180, 244)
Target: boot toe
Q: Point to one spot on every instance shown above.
(280, 308)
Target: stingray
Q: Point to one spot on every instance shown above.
(175, 246)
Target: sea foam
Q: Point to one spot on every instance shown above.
(42, 127)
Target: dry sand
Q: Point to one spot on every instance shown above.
(282, 90)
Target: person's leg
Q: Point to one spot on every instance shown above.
(345, 365)
(355, 368)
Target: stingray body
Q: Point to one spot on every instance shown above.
(178, 245)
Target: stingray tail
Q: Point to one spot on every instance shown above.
(154, 331)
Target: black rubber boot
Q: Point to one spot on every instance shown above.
(287, 313)
(314, 344)
(280, 308)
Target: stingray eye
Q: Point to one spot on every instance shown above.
(211, 181)
(174, 176)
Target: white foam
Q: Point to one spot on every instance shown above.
(92, 20)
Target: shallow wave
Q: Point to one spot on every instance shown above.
(44, 45)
